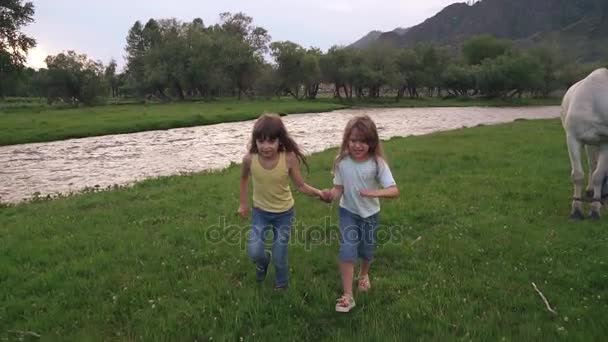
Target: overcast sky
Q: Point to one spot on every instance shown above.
(99, 28)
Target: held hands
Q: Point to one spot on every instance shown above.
(326, 196)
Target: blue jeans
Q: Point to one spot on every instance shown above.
(281, 228)
(357, 236)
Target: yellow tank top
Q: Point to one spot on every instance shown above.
(271, 190)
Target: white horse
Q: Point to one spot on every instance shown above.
(585, 120)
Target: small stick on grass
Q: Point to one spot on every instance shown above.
(544, 300)
(417, 239)
(25, 333)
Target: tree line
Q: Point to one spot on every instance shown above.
(171, 60)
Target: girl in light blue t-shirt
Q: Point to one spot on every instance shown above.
(361, 177)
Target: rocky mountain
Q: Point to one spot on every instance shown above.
(579, 27)
(374, 35)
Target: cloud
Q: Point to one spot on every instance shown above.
(338, 6)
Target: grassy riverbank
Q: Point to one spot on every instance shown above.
(483, 215)
(24, 125)
(40, 123)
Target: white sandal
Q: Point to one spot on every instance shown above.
(345, 303)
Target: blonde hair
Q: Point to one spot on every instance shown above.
(367, 128)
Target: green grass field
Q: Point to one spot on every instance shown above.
(27, 120)
(47, 124)
(483, 214)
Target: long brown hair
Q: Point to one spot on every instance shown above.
(366, 126)
(270, 127)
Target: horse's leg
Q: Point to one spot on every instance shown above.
(605, 188)
(598, 179)
(592, 155)
(578, 177)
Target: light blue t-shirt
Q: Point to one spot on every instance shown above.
(355, 176)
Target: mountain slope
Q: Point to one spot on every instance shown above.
(526, 21)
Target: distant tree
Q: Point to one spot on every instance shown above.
(551, 61)
(39, 82)
(135, 50)
(434, 61)
(165, 61)
(111, 78)
(240, 25)
(570, 73)
(410, 71)
(509, 75)
(476, 49)
(243, 48)
(8, 72)
(169, 59)
(459, 80)
(74, 79)
(289, 57)
(14, 45)
(335, 66)
(204, 74)
(376, 69)
(241, 64)
(312, 72)
(13, 15)
(268, 83)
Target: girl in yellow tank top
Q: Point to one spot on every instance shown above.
(273, 160)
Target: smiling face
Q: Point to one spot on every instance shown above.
(358, 148)
(267, 148)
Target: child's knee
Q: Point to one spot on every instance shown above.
(348, 252)
(256, 252)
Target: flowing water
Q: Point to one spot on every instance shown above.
(73, 165)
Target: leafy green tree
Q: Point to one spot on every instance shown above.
(410, 71)
(335, 67)
(551, 61)
(476, 49)
(240, 64)
(378, 69)
(165, 62)
(203, 73)
(459, 80)
(240, 25)
(140, 40)
(8, 73)
(111, 78)
(135, 50)
(74, 79)
(13, 15)
(289, 57)
(14, 44)
(360, 73)
(268, 83)
(243, 49)
(509, 75)
(312, 72)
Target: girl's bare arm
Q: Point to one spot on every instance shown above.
(244, 185)
(390, 192)
(293, 163)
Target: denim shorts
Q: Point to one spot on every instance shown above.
(357, 236)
